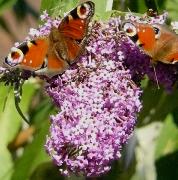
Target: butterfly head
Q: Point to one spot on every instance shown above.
(152, 12)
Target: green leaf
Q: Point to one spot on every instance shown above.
(151, 97)
(5, 4)
(46, 170)
(22, 9)
(100, 7)
(10, 122)
(41, 111)
(58, 7)
(151, 4)
(175, 116)
(6, 165)
(161, 4)
(167, 141)
(157, 104)
(73, 177)
(28, 91)
(137, 6)
(34, 154)
(9, 118)
(172, 9)
(167, 167)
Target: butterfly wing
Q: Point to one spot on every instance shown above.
(74, 27)
(29, 55)
(52, 55)
(158, 41)
(171, 55)
(166, 46)
(68, 40)
(141, 34)
(75, 24)
(146, 38)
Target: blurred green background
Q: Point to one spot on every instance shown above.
(151, 153)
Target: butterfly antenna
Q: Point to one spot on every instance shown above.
(130, 11)
(157, 82)
(17, 97)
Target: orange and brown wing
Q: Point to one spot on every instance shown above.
(171, 56)
(72, 32)
(166, 45)
(74, 50)
(34, 57)
(146, 38)
(75, 24)
(68, 40)
(29, 55)
(141, 34)
(158, 41)
(56, 65)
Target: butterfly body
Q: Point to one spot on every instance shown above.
(51, 55)
(158, 41)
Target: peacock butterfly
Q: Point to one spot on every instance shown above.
(158, 41)
(48, 55)
(51, 55)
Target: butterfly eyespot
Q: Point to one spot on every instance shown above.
(83, 11)
(130, 29)
(15, 57)
(157, 31)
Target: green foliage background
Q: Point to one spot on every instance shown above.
(152, 152)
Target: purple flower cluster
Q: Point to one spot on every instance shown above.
(44, 29)
(99, 103)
